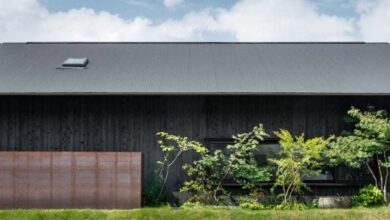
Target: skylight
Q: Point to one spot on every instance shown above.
(75, 62)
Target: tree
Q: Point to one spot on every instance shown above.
(172, 147)
(246, 170)
(208, 173)
(367, 145)
(297, 158)
(237, 163)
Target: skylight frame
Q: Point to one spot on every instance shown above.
(75, 62)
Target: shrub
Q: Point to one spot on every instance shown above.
(314, 203)
(368, 144)
(208, 173)
(172, 147)
(192, 205)
(250, 203)
(297, 158)
(271, 199)
(206, 177)
(291, 205)
(367, 196)
(151, 192)
(238, 163)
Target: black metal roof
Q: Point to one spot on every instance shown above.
(307, 68)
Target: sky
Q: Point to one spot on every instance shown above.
(190, 20)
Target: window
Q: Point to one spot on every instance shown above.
(269, 147)
(327, 175)
(75, 62)
(330, 175)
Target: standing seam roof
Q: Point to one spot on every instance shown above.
(343, 68)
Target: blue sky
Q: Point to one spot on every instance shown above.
(189, 20)
(128, 9)
(156, 10)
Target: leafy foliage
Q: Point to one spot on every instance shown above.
(314, 203)
(192, 205)
(151, 192)
(172, 147)
(250, 203)
(256, 200)
(368, 196)
(291, 205)
(246, 170)
(367, 144)
(206, 177)
(297, 158)
(208, 173)
(238, 163)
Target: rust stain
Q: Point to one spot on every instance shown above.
(116, 180)
(51, 176)
(13, 179)
(73, 181)
(96, 179)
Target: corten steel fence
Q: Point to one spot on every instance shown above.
(70, 180)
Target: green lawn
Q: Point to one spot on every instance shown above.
(198, 213)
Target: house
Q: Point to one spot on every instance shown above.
(114, 97)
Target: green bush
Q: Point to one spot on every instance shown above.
(368, 141)
(368, 196)
(208, 173)
(250, 203)
(291, 205)
(152, 194)
(314, 203)
(192, 205)
(298, 157)
(237, 162)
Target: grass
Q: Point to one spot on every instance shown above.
(197, 213)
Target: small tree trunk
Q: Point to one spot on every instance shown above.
(215, 195)
(385, 186)
(386, 178)
(168, 166)
(372, 174)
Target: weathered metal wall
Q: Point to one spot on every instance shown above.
(70, 180)
(129, 123)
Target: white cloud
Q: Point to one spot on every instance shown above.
(364, 6)
(32, 22)
(172, 3)
(247, 20)
(139, 3)
(280, 20)
(374, 23)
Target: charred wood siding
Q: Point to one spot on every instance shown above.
(129, 123)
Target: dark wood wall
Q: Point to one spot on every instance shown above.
(124, 123)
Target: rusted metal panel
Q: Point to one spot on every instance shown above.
(70, 180)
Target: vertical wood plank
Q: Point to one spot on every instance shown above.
(128, 123)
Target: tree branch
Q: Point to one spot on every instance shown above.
(378, 161)
(372, 173)
(167, 172)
